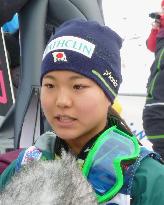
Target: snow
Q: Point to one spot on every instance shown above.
(130, 19)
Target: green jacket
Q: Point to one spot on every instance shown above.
(148, 182)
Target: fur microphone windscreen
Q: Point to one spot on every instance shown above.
(57, 182)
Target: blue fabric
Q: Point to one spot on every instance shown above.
(130, 172)
(11, 26)
(19, 160)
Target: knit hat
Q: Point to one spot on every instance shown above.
(87, 48)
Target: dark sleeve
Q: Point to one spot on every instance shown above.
(148, 183)
(8, 8)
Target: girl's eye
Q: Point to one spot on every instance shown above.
(79, 87)
(48, 85)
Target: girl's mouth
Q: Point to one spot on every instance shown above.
(64, 120)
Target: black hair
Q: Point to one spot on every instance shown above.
(115, 119)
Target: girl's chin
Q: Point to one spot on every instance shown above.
(66, 136)
(66, 133)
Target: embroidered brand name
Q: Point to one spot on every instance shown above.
(71, 43)
(111, 78)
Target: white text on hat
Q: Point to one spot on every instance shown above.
(111, 78)
(71, 43)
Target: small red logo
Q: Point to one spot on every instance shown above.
(59, 56)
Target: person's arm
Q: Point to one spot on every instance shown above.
(8, 8)
(14, 166)
(160, 42)
(151, 41)
(162, 21)
(7, 174)
(148, 183)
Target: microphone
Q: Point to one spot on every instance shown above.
(49, 182)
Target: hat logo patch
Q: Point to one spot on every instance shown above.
(59, 57)
(111, 78)
(71, 43)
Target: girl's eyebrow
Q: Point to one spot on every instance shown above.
(49, 77)
(74, 77)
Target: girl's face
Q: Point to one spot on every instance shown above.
(75, 106)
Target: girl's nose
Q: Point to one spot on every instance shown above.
(63, 99)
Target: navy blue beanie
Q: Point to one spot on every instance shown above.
(87, 48)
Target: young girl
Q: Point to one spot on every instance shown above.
(80, 78)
